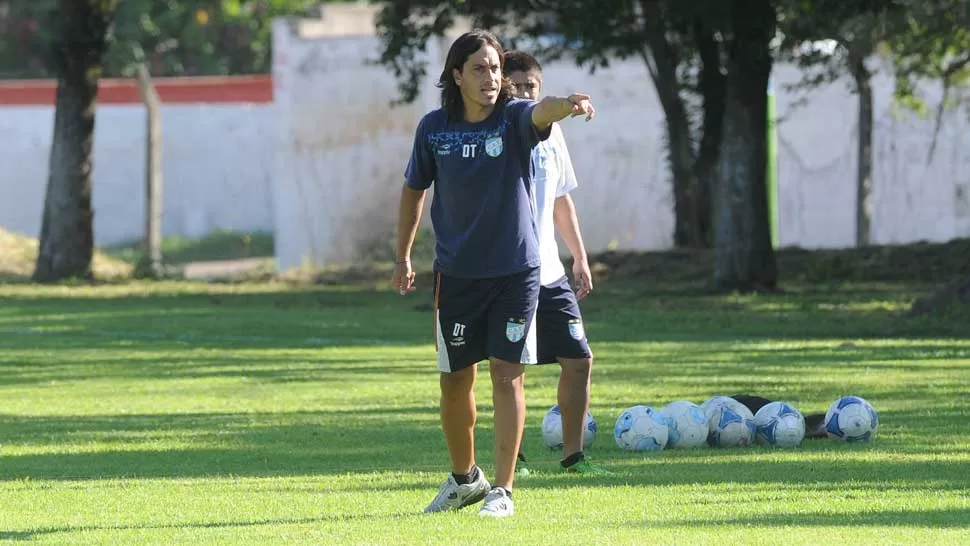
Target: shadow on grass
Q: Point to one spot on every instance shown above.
(120, 364)
(218, 317)
(707, 368)
(944, 518)
(243, 444)
(36, 534)
(374, 439)
(256, 320)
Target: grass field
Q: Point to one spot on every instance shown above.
(281, 414)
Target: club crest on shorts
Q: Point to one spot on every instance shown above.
(515, 330)
(576, 330)
(493, 146)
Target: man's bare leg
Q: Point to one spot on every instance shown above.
(508, 397)
(573, 397)
(458, 416)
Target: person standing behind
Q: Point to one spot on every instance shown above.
(559, 323)
(477, 149)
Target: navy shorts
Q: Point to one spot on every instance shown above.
(476, 319)
(560, 324)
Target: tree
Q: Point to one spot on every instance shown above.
(924, 41)
(914, 37)
(744, 256)
(67, 238)
(932, 45)
(682, 50)
(935, 46)
(676, 40)
(183, 38)
(728, 45)
(854, 31)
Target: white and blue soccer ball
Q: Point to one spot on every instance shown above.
(687, 426)
(739, 408)
(730, 423)
(851, 419)
(779, 424)
(552, 429)
(641, 428)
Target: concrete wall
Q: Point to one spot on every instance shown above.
(217, 162)
(322, 165)
(343, 153)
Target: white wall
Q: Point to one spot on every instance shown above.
(914, 196)
(323, 166)
(341, 151)
(624, 199)
(216, 160)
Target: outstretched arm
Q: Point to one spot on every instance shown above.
(552, 109)
(567, 223)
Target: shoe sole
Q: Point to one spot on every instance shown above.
(473, 500)
(496, 516)
(468, 502)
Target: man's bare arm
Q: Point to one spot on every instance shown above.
(552, 109)
(567, 223)
(409, 217)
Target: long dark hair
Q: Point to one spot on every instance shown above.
(461, 49)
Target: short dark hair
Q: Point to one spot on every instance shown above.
(520, 61)
(461, 49)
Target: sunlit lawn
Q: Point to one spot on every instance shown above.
(262, 414)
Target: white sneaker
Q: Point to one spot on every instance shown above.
(498, 504)
(453, 496)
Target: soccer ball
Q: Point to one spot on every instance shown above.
(851, 419)
(552, 429)
(739, 408)
(641, 428)
(687, 425)
(779, 424)
(730, 423)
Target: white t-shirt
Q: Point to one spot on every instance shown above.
(554, 177)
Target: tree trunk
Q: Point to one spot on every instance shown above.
(685, 184)
(661, 59)
(150, 265)
(863, 214)
(67, 234)
(712, 88)
(744, 257)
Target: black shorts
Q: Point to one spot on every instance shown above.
(560, 324)
(476, 319)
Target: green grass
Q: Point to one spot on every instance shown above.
(219, 245)
(268, 413)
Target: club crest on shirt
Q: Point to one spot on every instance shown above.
(515, 330)
(493, 145)
(576, 330)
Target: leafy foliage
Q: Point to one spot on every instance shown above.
(924, 40)
(933, 44)
(176, 37)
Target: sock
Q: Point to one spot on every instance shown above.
(572, 459)
(521, 458)
(465, 479)
(508, 492)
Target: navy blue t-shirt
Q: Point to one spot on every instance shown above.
(483, 211)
